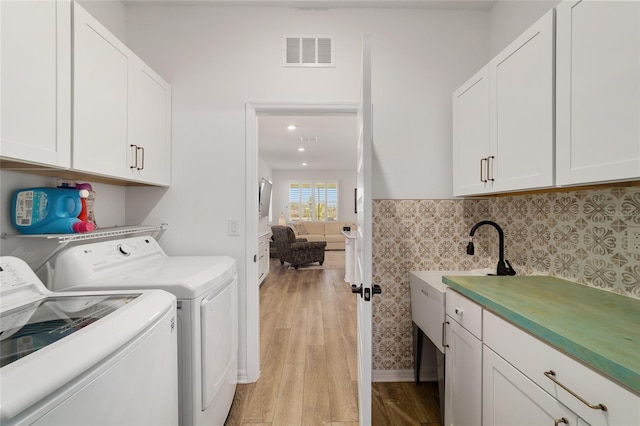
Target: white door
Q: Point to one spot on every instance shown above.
(510, 398)
(597, 91)
(463, 375)
(363, 241)
(35, 81)
(522, 106)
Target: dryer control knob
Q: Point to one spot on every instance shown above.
(124, 249)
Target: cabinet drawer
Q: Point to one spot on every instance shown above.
(465, 312)
(533, 358)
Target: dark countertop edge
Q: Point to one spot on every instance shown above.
(625, 377)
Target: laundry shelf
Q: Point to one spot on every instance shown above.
(65, 239)
(99, 233)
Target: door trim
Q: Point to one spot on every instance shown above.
(249, 296)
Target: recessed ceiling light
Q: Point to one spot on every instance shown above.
(301, 149)
(304, 164)
(291, 127)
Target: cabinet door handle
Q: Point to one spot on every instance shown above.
(482, 169)
(140, 148)
(135, 156)
(561, 420)
(551, 376)
(458, 311)
(490, 168)
(444, 345)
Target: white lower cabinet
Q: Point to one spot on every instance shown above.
(535, 360)
(498, 374)
(263, 256)
(509, 398)
(463, 367)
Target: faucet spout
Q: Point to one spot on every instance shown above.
(502, 269)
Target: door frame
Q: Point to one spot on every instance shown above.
(249, 347)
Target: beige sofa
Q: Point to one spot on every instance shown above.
(330, 232)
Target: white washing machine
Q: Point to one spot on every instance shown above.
(207, 291)
(85, 358)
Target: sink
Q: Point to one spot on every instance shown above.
(428, 300)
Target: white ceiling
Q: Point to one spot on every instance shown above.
(335, 148)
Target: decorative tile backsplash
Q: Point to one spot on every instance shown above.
(579, 236)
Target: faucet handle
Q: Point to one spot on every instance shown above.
(509, 269)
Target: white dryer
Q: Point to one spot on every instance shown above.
(207, 291)
(85, 358)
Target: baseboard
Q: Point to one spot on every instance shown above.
(401, 376)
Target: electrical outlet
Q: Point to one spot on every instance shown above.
(633, 239)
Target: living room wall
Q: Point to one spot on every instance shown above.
(346, 183)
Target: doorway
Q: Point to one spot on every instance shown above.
(251, 341)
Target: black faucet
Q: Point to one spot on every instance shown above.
(502, 269)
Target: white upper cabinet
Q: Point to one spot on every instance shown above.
(503, 133)
(522, 102)
(35, 112)
(150, 126)
(122, 108)
(471, 143)
(100, 82)
(598, 91)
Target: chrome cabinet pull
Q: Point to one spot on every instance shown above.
(140, 148)
(490, 168)
(551, 376)
(135, 156)
(444, 345)
(482, 178)
(561, 420)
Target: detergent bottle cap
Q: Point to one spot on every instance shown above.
(84, 193)
(83, 227)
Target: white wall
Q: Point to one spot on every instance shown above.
(346, 183)
(219, 58)
(510, 18)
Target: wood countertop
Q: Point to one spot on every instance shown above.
(597, 327)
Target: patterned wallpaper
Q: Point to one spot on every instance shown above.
(577, 235)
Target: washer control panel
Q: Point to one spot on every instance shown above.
(85, 262)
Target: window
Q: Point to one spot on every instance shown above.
(313, 201)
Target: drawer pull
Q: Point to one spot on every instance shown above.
(561, 420)
(458, 311)
(551, 376)
(424, 292)
(444, 345)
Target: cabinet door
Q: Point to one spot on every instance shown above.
(471, 135)
(522, 100)
(463, 376)
(101, 68)
(150, 125)
(598, 91)
(35, 118)
(509, 398)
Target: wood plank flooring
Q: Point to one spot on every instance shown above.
(309, 360)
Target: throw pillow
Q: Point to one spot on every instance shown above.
(301, 229)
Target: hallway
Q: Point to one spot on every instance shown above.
(309, 360)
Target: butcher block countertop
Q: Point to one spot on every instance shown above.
(597, 327)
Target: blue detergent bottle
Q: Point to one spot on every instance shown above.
(48, 211)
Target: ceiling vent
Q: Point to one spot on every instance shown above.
(299, 51)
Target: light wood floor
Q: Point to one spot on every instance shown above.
(309, 360)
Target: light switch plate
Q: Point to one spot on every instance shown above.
(234, 227)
